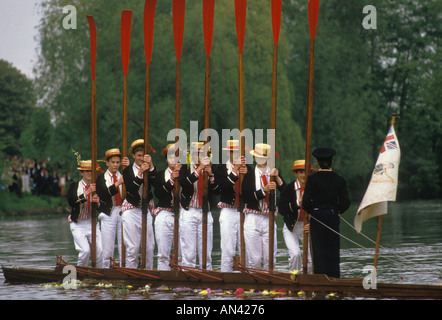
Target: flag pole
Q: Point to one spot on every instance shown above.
(381, 217)
(208, 17)
(93, 42)
(313, 12)
(378, 240)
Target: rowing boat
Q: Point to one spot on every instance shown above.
(257, 279)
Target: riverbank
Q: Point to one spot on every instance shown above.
(12, 205)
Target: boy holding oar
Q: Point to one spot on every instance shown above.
(256, 189)
(109, 189)
(80, 196)
(165, 220)
(133, 176)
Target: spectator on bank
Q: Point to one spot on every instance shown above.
(54, 184)
(15, 186)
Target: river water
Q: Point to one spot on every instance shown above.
(411, 252)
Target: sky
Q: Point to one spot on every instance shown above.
(18, 21)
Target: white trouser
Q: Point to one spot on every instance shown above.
(291, 239)
(131, 222)
(164, 225)
(229, 223)
(256, 237)
(110, 228)
(191, 237)
(82, 233)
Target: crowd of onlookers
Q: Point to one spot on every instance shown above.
(34, 177)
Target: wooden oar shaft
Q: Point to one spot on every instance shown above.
(207, 96)
(241, 98)
(125, 32)
(242, 148)
(93, 44)
(274, 82)
(177, 99)
(205, 204)
(309, 114)
(176, 196)
(94, 170)
(272, 162)
(145, 176)
(124, 119)
(308, 146)
(124, 154)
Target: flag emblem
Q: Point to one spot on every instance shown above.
(390, 142)
(383, 184)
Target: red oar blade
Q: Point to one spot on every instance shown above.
(149, 18)
(313, 12)
(126, 24)
(93, 36)
(240, 17)
(208, 17)
(178, 11)
(276, 19)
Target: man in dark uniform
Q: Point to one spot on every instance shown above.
(325, 197)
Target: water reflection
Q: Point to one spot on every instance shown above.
(411, 252)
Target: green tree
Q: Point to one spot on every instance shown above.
(361, 77)
(35, 140)
(64, 73)
(16, 104)
(342, 101)
(408, 77)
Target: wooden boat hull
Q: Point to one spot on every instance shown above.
(194, 278)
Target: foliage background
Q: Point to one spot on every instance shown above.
(361, 77)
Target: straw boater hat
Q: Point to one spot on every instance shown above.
(85, 165)
(232, 145)
(170, 146)
(299, 165)
(112, 152)
(261, 150)
(139, 143)
(196, 146)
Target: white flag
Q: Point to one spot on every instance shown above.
(383, 183)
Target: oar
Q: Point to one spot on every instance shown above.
(93, 40)
(313, 12)
(208, 17)
(126, 21)
(276, 26)
(149, 18)
(178, 12)
(240, 17)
